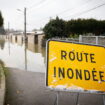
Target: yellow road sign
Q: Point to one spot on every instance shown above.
(75, 67)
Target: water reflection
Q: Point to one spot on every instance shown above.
(2, 44)
(9, 47)
(27, 56)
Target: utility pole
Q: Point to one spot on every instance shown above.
(25, 29)
(8, 27)
(25, 36)
(25, 32)
(8, 30)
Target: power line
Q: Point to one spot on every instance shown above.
(36, 4)
(88, 1)
(45, 2)
(42, 1)
(80, 13)
(86, 11)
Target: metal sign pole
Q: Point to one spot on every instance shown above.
(104, 99)
(77, 99)
(57, 101)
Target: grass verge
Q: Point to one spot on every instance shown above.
(2, 82)
(3, 70)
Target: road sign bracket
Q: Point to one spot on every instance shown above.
(57, 100)
(104, 99)
(77, 99)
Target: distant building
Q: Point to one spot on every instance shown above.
(39, 32)
(28, 33)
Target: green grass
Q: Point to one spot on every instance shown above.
(2, 68)
(1, 63)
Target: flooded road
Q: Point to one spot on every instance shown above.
(30, 57)
(28, 88)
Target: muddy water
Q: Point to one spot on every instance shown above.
(30, 57)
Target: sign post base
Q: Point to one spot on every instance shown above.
(77, 99)
(57, 100)
(104, 99)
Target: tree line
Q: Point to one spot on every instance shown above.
(61, 28)
(2, 31)
(1, 19)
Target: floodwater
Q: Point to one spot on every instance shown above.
(29, 57)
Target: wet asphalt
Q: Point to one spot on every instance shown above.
(28, 88)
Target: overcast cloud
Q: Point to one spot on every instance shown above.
(40, 11)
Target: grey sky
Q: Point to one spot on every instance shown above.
(40, 11)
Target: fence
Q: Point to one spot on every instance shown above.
(98, 40)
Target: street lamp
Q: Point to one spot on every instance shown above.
(25, 37)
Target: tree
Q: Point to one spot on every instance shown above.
(1, 19)
(2, 31)
(83, 26)
(61, 28)
(55, 28)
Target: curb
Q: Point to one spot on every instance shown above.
(2, 88)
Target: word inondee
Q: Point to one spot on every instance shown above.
(79, 74)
